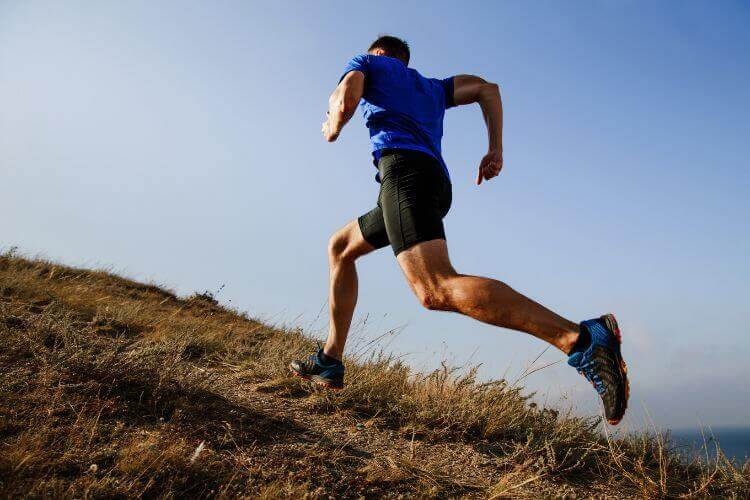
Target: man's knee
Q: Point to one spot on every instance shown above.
(433, 296)
(340, 248)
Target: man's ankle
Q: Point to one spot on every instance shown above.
(583, 341)
(573, 340)
(329, 359)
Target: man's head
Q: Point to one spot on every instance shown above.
(392, 47)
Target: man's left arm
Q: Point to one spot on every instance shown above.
(468, 89)
(342, 104)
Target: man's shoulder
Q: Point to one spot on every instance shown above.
(368, 63)
(383, 61)
(361, 58)
(431, 80)
(373, 61)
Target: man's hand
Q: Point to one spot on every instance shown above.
(329, 133)
(490, 166)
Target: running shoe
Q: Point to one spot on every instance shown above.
(330, 375)
(602, 365)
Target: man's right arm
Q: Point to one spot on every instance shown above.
(342, 103)
(468, 89)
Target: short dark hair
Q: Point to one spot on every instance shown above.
(393, 47)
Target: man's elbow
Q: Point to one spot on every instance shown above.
(489, 89)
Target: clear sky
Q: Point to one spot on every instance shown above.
(180, 142)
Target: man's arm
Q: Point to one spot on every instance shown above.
(468, 89)
(342, 104)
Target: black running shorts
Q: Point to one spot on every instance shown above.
(415, 195)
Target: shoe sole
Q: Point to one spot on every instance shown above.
(611, 322)
(316, 380)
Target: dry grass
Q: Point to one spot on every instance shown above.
(110, 387)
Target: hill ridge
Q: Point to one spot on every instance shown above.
(110, 387)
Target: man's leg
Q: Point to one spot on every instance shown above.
(345, 246)
(438, 286)
(431, 276)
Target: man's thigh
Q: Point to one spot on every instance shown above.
(415, 195)
(371, 227)
(426, 264)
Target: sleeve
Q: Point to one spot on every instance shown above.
(358, 63)
(447, 84)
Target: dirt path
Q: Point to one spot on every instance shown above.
(364, 457)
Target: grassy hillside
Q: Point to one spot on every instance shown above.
(110, 387)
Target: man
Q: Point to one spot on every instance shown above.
(404, 114)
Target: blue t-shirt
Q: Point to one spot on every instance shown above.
(402, 108)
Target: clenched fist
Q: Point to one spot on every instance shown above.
(329, 133)
(490, 166)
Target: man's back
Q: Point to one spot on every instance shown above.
(402, 108)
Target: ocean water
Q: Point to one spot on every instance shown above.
(733, 441)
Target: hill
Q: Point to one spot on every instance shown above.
(114, 388)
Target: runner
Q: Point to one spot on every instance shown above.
(404, 113)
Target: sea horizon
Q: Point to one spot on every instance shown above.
(697, 442)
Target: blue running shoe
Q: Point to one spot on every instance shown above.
(602, 365)
(330, 375)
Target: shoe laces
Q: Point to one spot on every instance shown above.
(589, 370)
(312, 360)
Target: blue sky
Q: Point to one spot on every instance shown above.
(180, 142)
